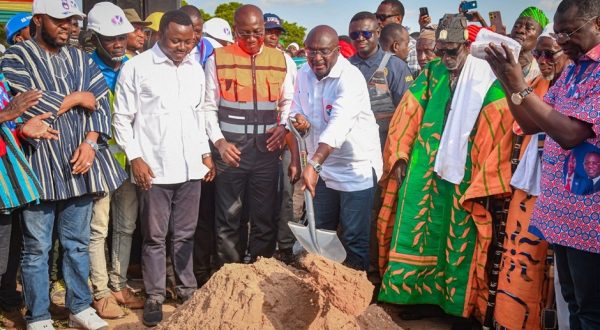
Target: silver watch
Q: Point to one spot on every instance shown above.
(315, 165)
(92, 144)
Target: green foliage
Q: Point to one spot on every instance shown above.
(294, 33)
(227, 10)
(205, 16)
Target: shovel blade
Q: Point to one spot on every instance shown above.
(326, 244)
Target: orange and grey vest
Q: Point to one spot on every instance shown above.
(250, 87)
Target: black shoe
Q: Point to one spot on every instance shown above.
(152, 313)
(285, 255)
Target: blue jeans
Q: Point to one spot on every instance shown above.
(579, 276)
(350, 210)
(73, 227)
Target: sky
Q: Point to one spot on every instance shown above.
(337, 13)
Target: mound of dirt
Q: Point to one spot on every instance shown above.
(271, 295)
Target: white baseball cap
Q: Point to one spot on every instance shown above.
(109, 20)
(218, 28)
(57, 8)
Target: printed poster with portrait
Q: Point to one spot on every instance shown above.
(582, 170)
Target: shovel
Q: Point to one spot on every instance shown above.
(318, 241)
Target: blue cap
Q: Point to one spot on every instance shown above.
(16, 24)
(272, 21)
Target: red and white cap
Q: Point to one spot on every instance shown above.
(57, 8)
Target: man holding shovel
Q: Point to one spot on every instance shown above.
(331, 101)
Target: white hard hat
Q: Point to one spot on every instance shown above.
(218, 28)
(57, 8)
(108, 20)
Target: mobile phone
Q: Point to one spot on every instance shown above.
(465, 6)
(423, 11)
(496, 22)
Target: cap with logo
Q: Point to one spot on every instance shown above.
(134, 18)
(154, 20)
(57, 8)
(273, 21)
(108, 19)
(218, 28)
(452, 28)
(16, 24)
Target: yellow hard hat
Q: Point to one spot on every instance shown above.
(154, 20)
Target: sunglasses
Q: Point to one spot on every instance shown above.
(546, 54)
(354, 35)
(452, 52)
(383, 17)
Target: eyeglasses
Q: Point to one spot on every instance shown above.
(383, 17)
(546, 54)
(354, 35)
(247, 35)
(452, 52)
(564, 37)
(323, 52)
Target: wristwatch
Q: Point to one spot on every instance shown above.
(517, 98)
(315, 165)
(92, 144)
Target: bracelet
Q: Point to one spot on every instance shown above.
(92, 144)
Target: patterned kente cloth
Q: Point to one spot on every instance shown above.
(437, 235)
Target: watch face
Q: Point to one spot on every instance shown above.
(516, 98)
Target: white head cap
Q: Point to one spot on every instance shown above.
(57, 8)
(548, 31)
(293, 44)
(218, 28)
(108, 20)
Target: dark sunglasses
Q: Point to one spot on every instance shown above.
(383, 17)
(546, 54)
(453, 52)
(354, 35)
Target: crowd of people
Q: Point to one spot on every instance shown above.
(459, 166)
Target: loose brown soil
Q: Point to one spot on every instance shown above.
(271, 295)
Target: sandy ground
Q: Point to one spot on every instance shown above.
(133, 319)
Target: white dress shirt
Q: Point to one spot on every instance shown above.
(213, 97)
(339, 110)
(158, 115)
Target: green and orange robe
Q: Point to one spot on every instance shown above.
(434, 235)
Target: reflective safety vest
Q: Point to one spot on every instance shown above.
(117, 152)
(250, 87)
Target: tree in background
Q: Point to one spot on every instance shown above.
(227, 10)
(295, 33)
(205, 16)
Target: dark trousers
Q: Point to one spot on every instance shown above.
(169, 209)
(579, 276)
(10, 298)
(204, 238)
(285, 237)
(5, 229)
(352, 212)
(254, 182)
